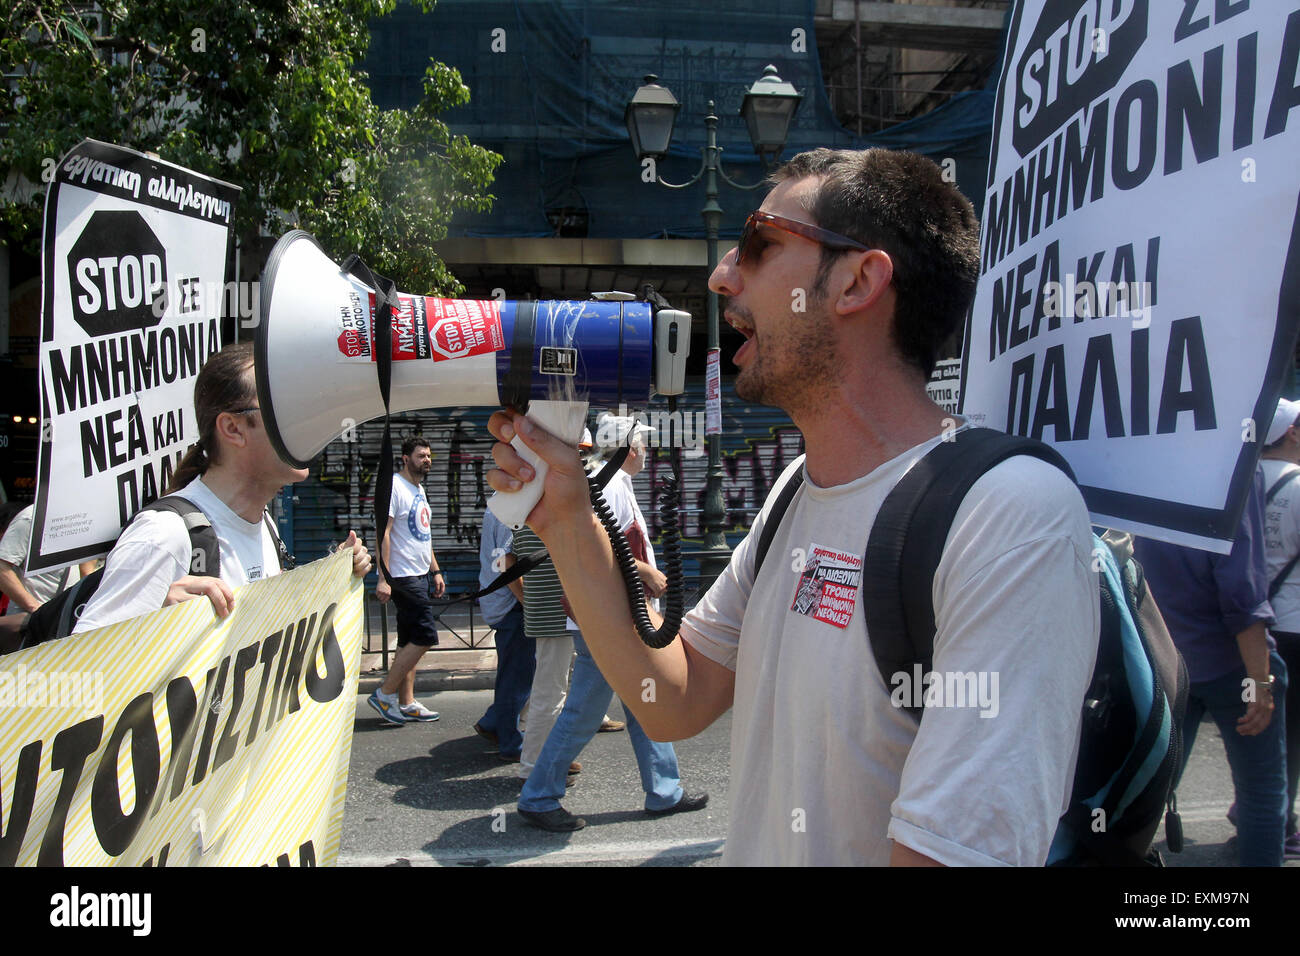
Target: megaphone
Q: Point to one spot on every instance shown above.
(317, 371)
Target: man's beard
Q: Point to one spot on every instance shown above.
(797, 368)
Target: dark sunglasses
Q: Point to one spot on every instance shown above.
(752, 243)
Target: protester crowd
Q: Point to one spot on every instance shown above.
(888, 250)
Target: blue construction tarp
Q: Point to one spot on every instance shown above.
(550, 79)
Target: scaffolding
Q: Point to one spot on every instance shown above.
(885, 63)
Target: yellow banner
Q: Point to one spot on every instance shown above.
(176, 739)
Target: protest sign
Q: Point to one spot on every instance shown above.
(944, 386)
(177, 739)
(133, 271)
(1140, 259)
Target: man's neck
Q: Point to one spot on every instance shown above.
(237, 493)
(856, 429)
(413, 479)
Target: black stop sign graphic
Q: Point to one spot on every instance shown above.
(117, 269)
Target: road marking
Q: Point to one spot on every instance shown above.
(634, 851)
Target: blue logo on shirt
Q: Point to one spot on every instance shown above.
(417, 520)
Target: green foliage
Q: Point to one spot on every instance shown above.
(261, 94)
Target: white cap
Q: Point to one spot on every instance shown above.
(1285, 416)
(615, 431)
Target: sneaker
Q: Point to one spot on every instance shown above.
(387, 707)
(558, 820)
(608, 726)
(1291, 848)
(688, 802)
(417, 711)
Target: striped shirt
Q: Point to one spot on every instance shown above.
(543, 613)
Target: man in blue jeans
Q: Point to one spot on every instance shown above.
(590, 694)
(1216, 607)
(516, 656)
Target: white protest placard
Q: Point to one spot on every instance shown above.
(1139, 292)
(944, 386)
(133, 271)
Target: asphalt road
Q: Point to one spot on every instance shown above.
(435, 794)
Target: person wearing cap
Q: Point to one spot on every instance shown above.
(1281, 464)
(589, 692)
(1217, 610)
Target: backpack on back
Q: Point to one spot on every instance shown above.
(58, 616)
(1130, 747)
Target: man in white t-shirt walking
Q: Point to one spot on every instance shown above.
(846, 284)
(409, 556)
(1281, 463)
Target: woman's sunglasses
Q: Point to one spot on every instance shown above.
(752, 243)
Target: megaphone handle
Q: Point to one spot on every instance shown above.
(565, 421)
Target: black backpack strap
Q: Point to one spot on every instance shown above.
(58, 616)
(908, 538)
(779, 508)
(1286, 479)
(1276, 584)
(205, 550)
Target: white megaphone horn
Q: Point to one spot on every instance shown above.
(317, 373)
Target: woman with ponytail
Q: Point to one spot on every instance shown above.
(231, 475)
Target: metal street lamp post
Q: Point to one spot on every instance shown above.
(768, 108)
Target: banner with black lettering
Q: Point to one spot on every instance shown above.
(133, 272)
(175, 739)
(1139, 293)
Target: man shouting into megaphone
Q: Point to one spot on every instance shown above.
(826, 769)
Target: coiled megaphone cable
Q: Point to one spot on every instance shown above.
(675, 597)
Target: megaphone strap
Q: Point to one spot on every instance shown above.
(385, 297)
(517, 384)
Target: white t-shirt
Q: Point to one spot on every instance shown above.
(13, 549)
(154, 552)
(1282, 542)
(408, 541)
(825, 769)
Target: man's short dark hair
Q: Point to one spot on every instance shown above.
(899, 202)
(414, 442)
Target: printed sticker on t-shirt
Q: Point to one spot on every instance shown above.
(828, 585)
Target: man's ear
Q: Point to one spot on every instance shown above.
(863, 285)
(231, 428)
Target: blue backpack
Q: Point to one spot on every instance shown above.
(1130, 747)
